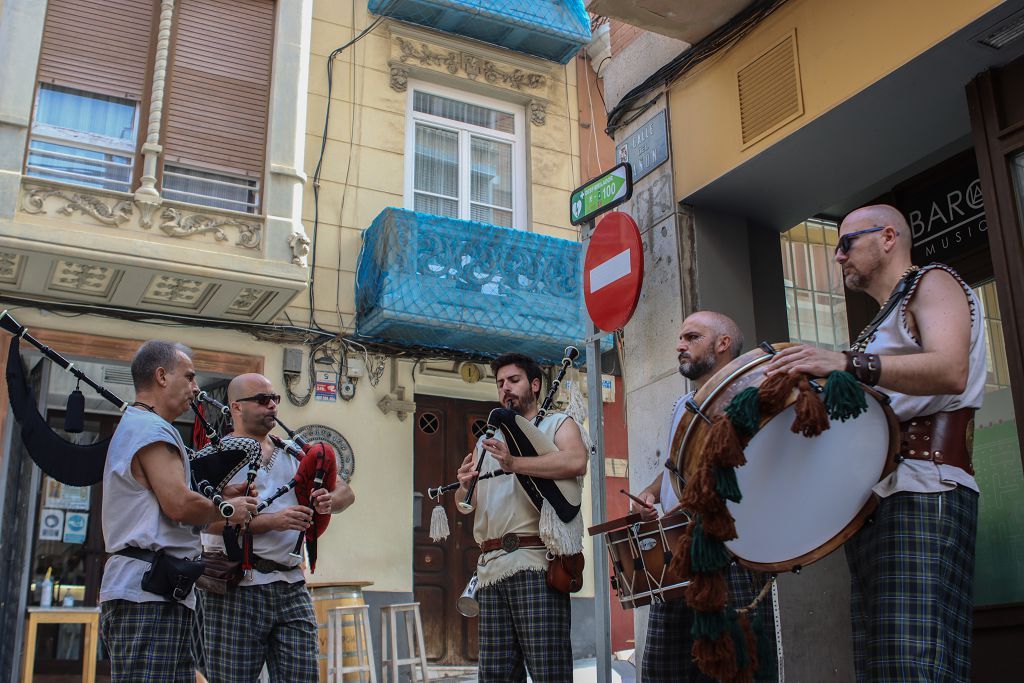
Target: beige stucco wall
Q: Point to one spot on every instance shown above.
(364, 165)
(842, 48)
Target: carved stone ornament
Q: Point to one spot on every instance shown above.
(471, 65)
(108, 211)
(300, 247)
(538, 112)
(399, 78)
(177, 223)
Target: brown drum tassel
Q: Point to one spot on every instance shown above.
(719, 524)
(707, 592)
(751, 642)
(680, 564)
(811, 416)
(699, 494)
(716, 658)
(724, 447)
(775, 391)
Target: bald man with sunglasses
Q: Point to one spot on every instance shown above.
(268, 617)
(912, 569)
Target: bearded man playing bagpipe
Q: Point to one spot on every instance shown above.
(263, 612)
(149, 524)
(527, 527)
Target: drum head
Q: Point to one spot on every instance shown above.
(800, 494)
(802, 497)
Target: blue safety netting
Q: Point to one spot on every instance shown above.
(432, 282)
(551, 29)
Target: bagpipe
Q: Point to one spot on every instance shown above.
(524, 439)
(318, 468)
(82, 464)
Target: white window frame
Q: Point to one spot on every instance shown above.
(520, 190)
(89, 142)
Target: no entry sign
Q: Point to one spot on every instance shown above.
(613, 271)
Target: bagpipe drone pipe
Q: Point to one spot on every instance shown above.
(82, 464)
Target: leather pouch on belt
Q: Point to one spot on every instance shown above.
(565, 573)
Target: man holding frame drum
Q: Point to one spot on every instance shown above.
(708, 341)
(912, 569)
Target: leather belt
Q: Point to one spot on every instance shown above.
(942, 438)
(511, 542)
(264, 566)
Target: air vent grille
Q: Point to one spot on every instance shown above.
(1004, 33)
(769, 90)
(113, 375)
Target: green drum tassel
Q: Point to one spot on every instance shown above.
(844, 397)
(706, 554)
(726, 485)
(739, 640)
(744, 411)
(710, 625)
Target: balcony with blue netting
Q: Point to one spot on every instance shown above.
(551, 29)
(436, 283)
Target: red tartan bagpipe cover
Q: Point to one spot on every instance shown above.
(318, 469)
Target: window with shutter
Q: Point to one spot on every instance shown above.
(92, 78)
(215, 126)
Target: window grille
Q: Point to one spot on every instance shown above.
(815, 298)
(217, 190)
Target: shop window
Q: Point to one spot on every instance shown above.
(466, 157)
(815, 300)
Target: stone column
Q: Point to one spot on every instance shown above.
(147, 197)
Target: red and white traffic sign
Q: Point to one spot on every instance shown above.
(613, 271)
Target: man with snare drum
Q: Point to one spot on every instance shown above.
(708, 341)
(912, 570)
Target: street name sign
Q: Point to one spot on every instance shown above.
(601, 194)
(613, 271)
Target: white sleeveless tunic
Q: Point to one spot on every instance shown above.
(503, 507)
(893, 338)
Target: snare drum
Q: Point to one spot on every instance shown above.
(802, 497)
(640, 555)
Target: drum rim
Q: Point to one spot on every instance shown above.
(729, 373)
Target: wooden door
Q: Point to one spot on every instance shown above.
(445, 431)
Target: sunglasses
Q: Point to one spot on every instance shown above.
(263, 399)
(846, 241)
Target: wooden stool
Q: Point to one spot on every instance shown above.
(358, 649)
(414, 640)
(88, 616)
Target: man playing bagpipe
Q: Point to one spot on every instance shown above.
(262, 613)
(528, 526)
(150, 517)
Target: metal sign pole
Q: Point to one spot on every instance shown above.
(595, 414)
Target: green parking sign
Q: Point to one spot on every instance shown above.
(601, 194)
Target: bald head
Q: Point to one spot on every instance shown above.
(879, 216)
(722, 326)
(247, 385)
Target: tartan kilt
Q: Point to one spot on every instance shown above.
(524, 624)
(667, 656)
(148, 641)
(911, 593)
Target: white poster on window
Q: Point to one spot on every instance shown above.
(51, 525)
(58, 495)
(76, 524)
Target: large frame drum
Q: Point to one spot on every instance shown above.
(803, 497)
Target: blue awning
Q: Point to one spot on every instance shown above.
(551, 29)
(440, 283)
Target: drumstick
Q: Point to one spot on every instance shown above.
(636, 500)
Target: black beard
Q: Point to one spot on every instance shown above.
(520, 406)
(694, 369)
